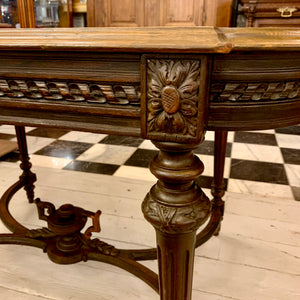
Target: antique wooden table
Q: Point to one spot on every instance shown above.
(168, 85)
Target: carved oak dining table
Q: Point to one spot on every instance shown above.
(168, 85)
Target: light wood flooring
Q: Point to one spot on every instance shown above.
(256, 256)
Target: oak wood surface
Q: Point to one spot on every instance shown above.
(157, 39)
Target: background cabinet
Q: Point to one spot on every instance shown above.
(270, 13)
(128, 13)
(117, 13)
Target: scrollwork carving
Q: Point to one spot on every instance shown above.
(69, 91)
(172, 96)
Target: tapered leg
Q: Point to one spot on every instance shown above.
(27, 176)
(218, 186)
(176, 207)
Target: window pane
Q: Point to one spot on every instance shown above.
(52, 13)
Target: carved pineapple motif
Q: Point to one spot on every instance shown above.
(170, 99)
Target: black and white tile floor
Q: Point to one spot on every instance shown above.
(262, 162)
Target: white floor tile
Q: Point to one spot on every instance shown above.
(10, 129)
(135, 173)
(147, 144)
(49, 161)
(293, 174)
(83, 137)
(107, 154)
(210, 136)
(36, 143)
(256, 152)
(259, 188)
(288, 140)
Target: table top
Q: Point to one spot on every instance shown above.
(158, 39)
(158, 83)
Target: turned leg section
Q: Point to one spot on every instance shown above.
(218, 185)
(27, 176)
(176, 207)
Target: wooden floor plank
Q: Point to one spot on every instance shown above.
(256, 255)
(16, 295)
(243, 282)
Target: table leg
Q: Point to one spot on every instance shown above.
(218, 185)
(27, 176)
(176, 207)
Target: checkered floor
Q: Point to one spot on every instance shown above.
(262, 162)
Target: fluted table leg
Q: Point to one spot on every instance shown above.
(176, 207)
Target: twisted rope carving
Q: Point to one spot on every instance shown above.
(76, 92)
(221, 92)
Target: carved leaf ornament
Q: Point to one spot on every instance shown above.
(70, 91)
(172, 93)
(254, 91)
(176, 219)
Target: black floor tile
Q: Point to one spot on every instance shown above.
(205, 182)
(296, 192)
(255, 138)
(122, 140)
(291, 156)
(11, 157)
(207, 148)
(141, 158)
(66, 149)
(289, 130)
(6, 136)
(91, 167)
(258, 171)
(48, 132)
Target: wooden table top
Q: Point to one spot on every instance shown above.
(158, 39)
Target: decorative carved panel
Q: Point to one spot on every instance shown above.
(173, 101)
(127, 13)
(252, 92)
(70, 91)
(182, 12)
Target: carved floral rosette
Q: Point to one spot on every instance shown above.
(172, 95)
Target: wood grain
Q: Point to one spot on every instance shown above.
(167, 39)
